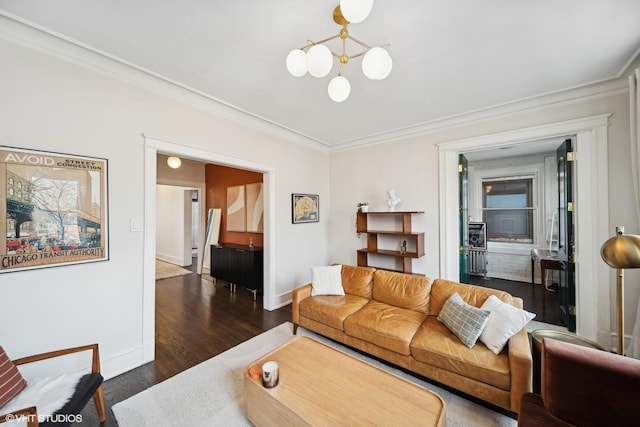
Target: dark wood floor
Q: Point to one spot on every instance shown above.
(532, 298)
(195, 320)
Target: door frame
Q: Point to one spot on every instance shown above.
(151, 148)
(591, 214)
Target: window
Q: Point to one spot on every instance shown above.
(508, 209)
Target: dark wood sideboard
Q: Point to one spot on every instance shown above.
(238, 265)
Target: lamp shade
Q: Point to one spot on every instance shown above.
(377, 63)
(174, 162)
(319, 60)
(622, 251)
(297, 63)
(339, 89)
(356, 11)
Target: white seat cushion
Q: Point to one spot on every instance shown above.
(48, 394)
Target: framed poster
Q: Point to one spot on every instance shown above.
(236, 217)
(54, 209)
(305, 208)
(478, 235)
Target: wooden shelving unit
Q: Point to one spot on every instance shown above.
(405, 232)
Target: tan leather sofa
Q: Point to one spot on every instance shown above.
(393, 316)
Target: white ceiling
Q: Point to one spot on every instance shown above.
(450, 56)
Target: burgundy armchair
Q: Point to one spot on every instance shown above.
(583, 387)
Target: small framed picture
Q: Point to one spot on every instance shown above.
(305, 208)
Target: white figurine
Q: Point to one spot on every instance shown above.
(392, 199)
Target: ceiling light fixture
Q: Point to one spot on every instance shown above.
(174, 162)
(317, 59)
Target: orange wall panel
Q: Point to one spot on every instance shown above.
(218, 178)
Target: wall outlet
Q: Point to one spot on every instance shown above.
(135, 225)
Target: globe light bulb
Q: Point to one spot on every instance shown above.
(319, 60)
(356, 11)
(339, 89)
(377, 63)
(297, 63)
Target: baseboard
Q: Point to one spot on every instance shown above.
(114, 366)
(281, 300)
(170, 259)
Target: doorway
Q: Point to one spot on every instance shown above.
(151, 148)
(509, 208)
(592, 221)
(177, 225)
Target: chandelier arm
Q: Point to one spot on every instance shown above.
(359, 42)
(358, 54)
(312, 43)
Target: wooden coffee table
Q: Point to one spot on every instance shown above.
(320, 385)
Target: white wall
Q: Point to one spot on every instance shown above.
(51, 101)
(173, 225)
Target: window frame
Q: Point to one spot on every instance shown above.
(529, 209)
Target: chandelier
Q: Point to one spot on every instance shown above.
(317, 59)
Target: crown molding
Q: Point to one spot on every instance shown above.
(502, 111)
(633, 62)
(33, 36)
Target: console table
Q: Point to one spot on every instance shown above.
(548, 261)
(238, 265)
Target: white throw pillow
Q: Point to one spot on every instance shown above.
(505, 321)
(326, 280)
(463, 319)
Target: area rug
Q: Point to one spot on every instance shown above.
(165, 270)
(211, 393)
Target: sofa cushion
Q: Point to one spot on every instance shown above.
(358, 280)
(402, 290)
(331, 310)
(442, 289)
(436, 345)
(326, 280)
(505, 320)
(385, 326)
(464, 320)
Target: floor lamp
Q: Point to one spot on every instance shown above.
(620, 252)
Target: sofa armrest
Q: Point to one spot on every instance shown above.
(520, 364)
(297, 296)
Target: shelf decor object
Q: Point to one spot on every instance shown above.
(363, 207)
(317, 59)
(406, 234)
(622, 251)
